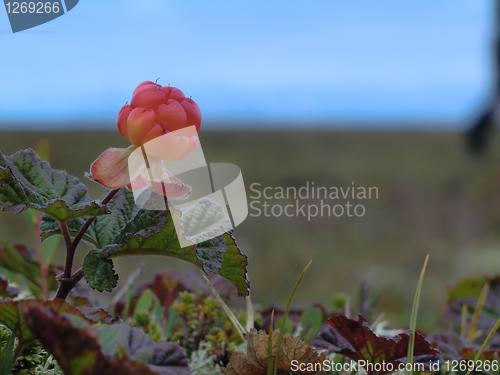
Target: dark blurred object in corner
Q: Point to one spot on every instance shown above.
(478, 135)
(481, 131)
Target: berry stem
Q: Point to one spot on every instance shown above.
(67, 281)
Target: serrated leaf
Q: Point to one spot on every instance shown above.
(26, 181)
(262, 348)
(128, 230)
(99, 272)
(106, 228)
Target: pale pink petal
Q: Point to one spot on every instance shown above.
(110, 169)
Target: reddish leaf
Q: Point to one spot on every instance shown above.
(355, 339)
(12, 314)
(449, 344)
(452, 346)
(469, 354)
(166, 286)
(6, 291)
(78, 350)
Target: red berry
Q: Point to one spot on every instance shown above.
(171, 115)
(173, 93)
(145, 85)
(149, 97)
(139, 123)
(155, 110)
(122, 120)
(193, 113)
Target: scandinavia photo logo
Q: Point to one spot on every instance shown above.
(205, 200)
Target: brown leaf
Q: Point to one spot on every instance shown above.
(255, 361)
(240, 365)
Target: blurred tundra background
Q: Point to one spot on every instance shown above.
(376, 93)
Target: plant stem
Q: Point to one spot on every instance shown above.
(70, 250)
(237, 325)
(89, 221)
(68, 281)
(77, 276)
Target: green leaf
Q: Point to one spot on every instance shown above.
(106, 228)
(128, 230)
(7, 352)
(144, 303)
(99, 272)
(26, 181)
(311, 321)
(172, 318)
(49, 249)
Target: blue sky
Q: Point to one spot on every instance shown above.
(260, 60)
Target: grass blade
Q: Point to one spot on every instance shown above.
(250, 324)
(414, 313)
(291, 297)
(225, 307)
(128, 284)
(472, 332)
(486, 342)
(270, 346)
(463, 320)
